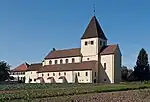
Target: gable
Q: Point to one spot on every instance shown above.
(109, 49)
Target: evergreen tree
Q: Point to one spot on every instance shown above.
(141, 70)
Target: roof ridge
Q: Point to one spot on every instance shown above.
(67, 49)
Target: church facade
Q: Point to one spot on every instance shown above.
(94, 62)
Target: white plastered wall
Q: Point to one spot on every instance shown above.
(30, 75)
(107, 74)
(77, 59)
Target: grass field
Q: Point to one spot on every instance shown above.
(34, 91)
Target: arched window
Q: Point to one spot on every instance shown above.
(50, 62)
(104, 66)
(55, 61)
(53, 74)
(86, 73)
(86, 43)
(73, 60)
(61, 61)
(64, 73)
(78, 74)
(59, 73)
(66, 60)
(92, 42)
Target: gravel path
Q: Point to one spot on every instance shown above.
(122, 96)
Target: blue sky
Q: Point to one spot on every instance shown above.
(29, 29)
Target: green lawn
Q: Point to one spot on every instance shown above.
(31, 91)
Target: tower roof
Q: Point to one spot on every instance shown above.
(94, 30)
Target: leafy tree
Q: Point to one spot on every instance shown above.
(4, 71)
(124, 73)
(141, 70)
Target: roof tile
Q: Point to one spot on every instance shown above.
(64, 53)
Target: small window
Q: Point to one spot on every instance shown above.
(42, 74)
(92, 42)
(34, 79)
(61, 61)
(73, 60)
(104, 66)
(88, 58)
(31, 72)
(86, 73)
(53, 74)
(66, 60)
(48, 74)
(59, 73)
(86, 43)
(55, 61)
(64, 73)
(50, 62)
(30, 80)
(78, 74)
(95, 74)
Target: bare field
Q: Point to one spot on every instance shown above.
(142, 95)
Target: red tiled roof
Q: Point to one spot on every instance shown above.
(21, 68)
(110, 49)
(64, 53)
(87, 65)
(34, 67)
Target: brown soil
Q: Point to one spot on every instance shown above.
(122, 96)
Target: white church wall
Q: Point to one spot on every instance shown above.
(89, 49)
(109, 60)
(76, 60)
(30, 75)
(90, 58)
(82, 78)
(57, 75)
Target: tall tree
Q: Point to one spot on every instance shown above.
(141, 70)
(4, 71)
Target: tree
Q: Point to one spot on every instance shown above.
(124, 73)
(4, 71)
(141, 70)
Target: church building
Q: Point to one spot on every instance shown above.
(94, 62)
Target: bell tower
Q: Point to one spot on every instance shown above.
(93, 39)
